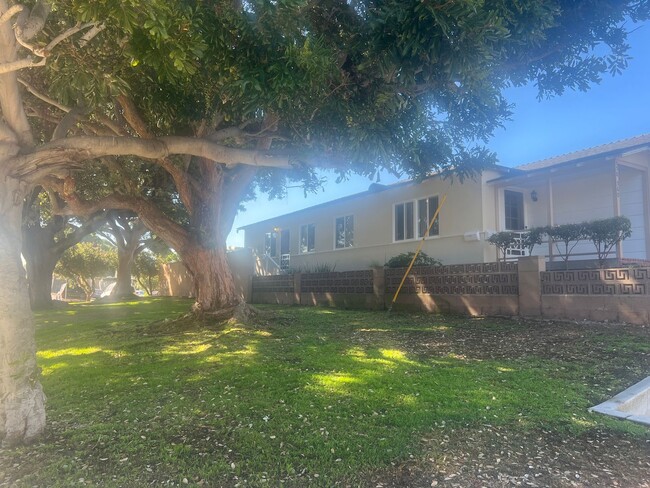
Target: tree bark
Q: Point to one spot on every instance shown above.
(40, 270)
(22, 402)
(214, 286)
(123, 286)
(127, 234)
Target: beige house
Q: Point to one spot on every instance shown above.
(369, 228)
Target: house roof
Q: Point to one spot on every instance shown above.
(373, 188)
(603, 150)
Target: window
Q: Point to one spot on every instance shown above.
(514, 209)
(308, 238)
(404, 221)
(344, 232)
(426, 210)
(271, 244)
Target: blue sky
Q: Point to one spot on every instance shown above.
(617, 108)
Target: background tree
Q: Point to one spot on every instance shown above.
(125, 232)
(86, 262)
(45, 238)
(147, 271)
(236, 88)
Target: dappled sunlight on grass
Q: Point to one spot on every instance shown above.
(186, 348)
(407, 400)
(246, 351)
(49, 369)
(49, 354)
(395, 355)
(303, 390)
(336, 382)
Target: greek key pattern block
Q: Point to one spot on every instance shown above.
(458, 279)
(616, 281)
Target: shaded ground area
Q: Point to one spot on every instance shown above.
(617, 356)
(317, 397)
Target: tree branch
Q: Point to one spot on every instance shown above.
(67, 122)
(64, 35)
(13, 10)
(64, 153)
(30, 25)
(152, 217)
(133, 118)
(90, 35)
(14, 66)
(41, 96)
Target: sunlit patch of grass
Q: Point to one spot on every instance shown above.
(186, 348)
(51, 368)
(336, 382)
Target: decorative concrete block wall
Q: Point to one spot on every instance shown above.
(520, 288)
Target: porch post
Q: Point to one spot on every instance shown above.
(550, 217)
(617, 204)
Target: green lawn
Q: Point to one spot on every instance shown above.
(304, 396)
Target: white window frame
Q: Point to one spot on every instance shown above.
(502, 209)
(415, 219)
(306, 226)
(353, 231)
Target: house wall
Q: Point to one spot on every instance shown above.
(587, 193)
(632, 206)
(464, 212)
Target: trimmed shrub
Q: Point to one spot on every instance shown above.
(502, 241)
(403, 260)
(606, 233)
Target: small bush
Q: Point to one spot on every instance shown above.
(502, 241)
(404, 260)
(606, 233)
(569, 235)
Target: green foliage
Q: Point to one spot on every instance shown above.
(607, 233)
(411, 86)
(404, 260)
(146, 269)
(569, 235)
(533, 237)
(502, 241)
(85, 262)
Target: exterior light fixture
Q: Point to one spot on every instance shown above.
(533, 195)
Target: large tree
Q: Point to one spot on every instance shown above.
(126, 232)
(45, 238)
(214, 94)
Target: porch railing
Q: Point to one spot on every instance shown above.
(517, 250)
(273, 267)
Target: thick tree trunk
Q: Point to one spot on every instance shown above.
(22, 402)
(40, 270)
(123, 286)
(213, 280)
